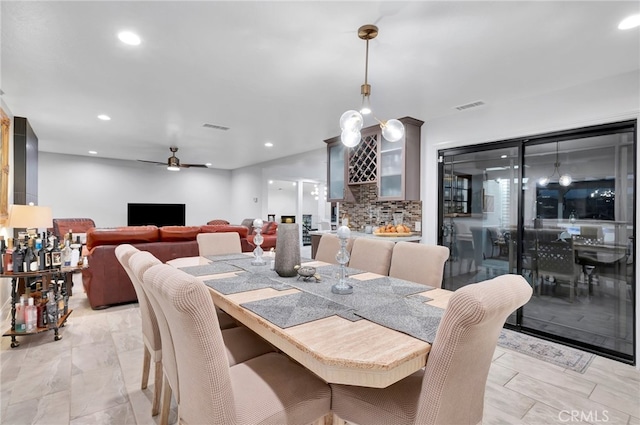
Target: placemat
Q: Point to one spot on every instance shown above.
(245, 264)
(226, 257)
(408, 316)
(295, 309)
(333, 270)
(393, 286)
(211, 268)
(244, 282)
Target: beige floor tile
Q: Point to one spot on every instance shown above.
(496, 416)
(38, 379)
(118, 415)
(52, 409)
(97, 390)
(561, 398)
(541, 414)
(128, 339)
(509, 401)
(545, 372)
(627, 402)
(88, 357)
(500, 375)
(634, 421)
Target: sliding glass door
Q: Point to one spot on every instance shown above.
(559, 210)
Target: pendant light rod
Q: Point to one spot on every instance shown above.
(367, 32)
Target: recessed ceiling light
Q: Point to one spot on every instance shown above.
(93, 152)
(130, 38)
(503, 156)
(269, 144)
(104, 117)
(629, 22)
(270, 181)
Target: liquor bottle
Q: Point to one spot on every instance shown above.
(8, 257)
(56, 255)
(30, 257)
(52, 311)
(3, 248)
(31, 316)
(18, 258)
(42, 259)
(66, 254)
(20, 323)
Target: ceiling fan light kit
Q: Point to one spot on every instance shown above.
(351, 121)
(173, 162)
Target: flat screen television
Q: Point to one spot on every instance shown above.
(157, 214)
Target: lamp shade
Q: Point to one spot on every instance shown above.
(30, 217)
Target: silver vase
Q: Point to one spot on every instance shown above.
(287, 250)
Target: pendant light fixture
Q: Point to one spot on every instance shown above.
(563, 179)
(351, 122)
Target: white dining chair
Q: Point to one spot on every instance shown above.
(218, 243)
(240, 344)
(371, 255)
(268, 389)
(419, 263)
(328, 248)
(150, 329)
(450, 389)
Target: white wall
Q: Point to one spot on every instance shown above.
(98, 188)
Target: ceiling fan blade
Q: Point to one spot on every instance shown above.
(193, 165)
(152, 162)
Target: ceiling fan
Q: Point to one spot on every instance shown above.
(173, 162)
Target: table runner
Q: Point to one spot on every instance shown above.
(211, 268)
(245, 282)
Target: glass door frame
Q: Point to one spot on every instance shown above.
(546, 138)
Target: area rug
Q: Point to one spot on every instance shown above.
(551, 352)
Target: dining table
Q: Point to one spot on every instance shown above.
(374, 337)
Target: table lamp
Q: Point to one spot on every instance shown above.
(30, 217)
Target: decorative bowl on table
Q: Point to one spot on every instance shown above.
(393, 231)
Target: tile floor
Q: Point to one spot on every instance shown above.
(92, 376)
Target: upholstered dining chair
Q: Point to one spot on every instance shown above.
(218, 243)
(419, 263)
(239, 342)
(150, 330)
(371, 255)
(450, 389)
(269, 389)
(328, 248)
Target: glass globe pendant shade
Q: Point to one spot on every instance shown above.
(565, 180)
(543, 181)
(366, 106)
(350, 138)
(393, 130)
(351, 120)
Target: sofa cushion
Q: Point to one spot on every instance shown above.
(61, 226)
(118, 235)
(240, 230)
(178, 233)
(218, 221)
(269, 228)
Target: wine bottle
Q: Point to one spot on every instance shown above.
(3, 248)
(66, 254)
(30, 257)
(56, 255)
(8, 257)
(18, 258)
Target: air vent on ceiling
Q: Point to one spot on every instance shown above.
(469, 105)
(215, 127)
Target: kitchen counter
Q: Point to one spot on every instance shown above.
(316, 235)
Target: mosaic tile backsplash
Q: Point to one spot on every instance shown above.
(368, 210)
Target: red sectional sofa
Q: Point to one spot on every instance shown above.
(105, 281)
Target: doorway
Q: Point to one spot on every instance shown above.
(558, 209)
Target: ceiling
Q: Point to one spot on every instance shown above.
(283, 72)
